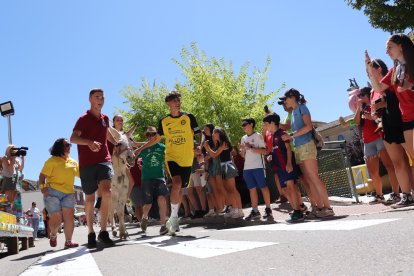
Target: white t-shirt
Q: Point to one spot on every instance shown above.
(34, 212)
(253, 160)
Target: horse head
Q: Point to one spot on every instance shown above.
(123, 149)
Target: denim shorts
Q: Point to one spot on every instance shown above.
(91, 176)
(254, 178)
(373, 148)
(56, 200)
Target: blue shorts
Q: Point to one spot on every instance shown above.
(56, 200)
(153, 188)
(373, 148)
(255, 178)
(284, 176)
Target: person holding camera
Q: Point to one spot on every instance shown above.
(11, 166)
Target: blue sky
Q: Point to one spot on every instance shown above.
(53, 52)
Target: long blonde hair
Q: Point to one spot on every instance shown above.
(8, 150)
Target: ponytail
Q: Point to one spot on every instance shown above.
(302, 99)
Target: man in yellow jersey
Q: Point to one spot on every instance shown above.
(179, 129)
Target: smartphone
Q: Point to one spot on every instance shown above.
(266, 109)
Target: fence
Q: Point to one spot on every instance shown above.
(335, 170)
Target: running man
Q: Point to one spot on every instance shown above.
(179, 129)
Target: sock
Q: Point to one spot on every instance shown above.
(174, 210)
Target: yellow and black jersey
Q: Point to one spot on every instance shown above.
(179, 138)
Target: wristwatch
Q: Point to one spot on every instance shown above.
(42, 186)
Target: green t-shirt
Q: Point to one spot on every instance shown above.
(153, 162)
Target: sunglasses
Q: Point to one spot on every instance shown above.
(150, 134)
(68, 145)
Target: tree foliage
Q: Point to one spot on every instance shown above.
(211, 90)
(390, 16)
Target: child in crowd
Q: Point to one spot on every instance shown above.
(283, 164)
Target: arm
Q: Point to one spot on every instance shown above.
(211, 152)
(42, 183)
(306, 128)
(289, 167)
(76, 139)
(156, 139)
(21, 165)
(376, 84)
(8, 163)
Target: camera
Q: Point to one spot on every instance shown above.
(22, 151)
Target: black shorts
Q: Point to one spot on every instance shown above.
(91, 176)
(408, 125)
(153, 188)
(174, 169)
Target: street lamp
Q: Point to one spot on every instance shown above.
(7, 110)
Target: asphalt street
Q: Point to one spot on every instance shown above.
(374, 243)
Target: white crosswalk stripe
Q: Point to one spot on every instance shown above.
(200, 248)
(334, 225)
(75, 261)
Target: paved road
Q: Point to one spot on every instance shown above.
(369, 242)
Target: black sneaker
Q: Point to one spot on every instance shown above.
(254, 215)
(377, 200)
(406, 200)
(268, 213)
(394, 198)
(91, 240)
(296, 217)
(104, 238)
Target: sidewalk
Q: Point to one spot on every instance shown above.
(343, 207)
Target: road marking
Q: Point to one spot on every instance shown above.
(200, 247)
(334, 225)
(75, 261)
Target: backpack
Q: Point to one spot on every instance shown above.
(318, 139)
(316, 136)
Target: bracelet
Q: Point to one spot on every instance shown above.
(42, 186)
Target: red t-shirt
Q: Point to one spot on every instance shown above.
(368, 129)
(136, 174)
(269, 141)
(405, 97)
(94, 129)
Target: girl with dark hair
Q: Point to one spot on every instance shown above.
(228, 170)
(400, 81)
(305, 151)
(213, 169)
(57, 180)
(374, 147)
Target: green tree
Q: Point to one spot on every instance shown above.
(390, 16)
(211, 90)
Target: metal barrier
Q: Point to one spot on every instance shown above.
(335, 170)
